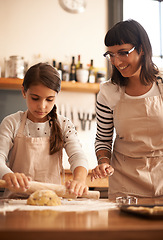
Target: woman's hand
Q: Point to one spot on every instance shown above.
(76, 187)
(101, 171)
(17, 181)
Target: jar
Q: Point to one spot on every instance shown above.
(16, 66)
(101, 76)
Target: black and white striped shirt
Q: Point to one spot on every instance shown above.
(104, 118)
(106, 100)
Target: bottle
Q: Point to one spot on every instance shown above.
(78, 65)
(65, 72)
(101, 76)
(54, 64)
(73, 70)
(91, 77)
(60, 70)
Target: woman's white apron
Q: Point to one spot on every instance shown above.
(138, 147)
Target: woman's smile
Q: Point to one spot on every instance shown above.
(122, 68)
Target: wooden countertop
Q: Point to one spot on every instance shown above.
(111, 224)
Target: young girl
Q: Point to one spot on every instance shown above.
(132, 103)
(32, 141)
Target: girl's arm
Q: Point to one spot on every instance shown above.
(4, 169)
(8, 131)
(77, 159)
(16, 181)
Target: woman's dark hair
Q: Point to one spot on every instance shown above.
(131, 32)
(47, 75)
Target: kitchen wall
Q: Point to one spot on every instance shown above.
(41, 30)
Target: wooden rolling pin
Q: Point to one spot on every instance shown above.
(60, 190)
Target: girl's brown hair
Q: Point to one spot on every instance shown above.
(131, 32)
(45, 74)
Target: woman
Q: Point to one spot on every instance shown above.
(32, 141)
(132, 103)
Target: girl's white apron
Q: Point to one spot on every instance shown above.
(138, 147)
(30, 155)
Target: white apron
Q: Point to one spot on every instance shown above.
(30, 155)
(138, 148)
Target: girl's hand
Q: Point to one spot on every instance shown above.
(101, 171)
(76, 187)
(17, 181)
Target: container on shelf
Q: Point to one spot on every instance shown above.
(15, 67)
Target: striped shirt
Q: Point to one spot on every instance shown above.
(106, 99)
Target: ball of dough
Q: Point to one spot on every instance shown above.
(44, 198)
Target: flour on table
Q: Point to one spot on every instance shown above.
(77, 205)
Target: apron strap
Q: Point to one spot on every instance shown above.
(22, 124)
(160, 85)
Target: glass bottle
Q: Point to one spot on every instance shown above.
(60, 69)
(73, 70)
(65, 72)
(78, 65)
(54, 64)
(91, 77)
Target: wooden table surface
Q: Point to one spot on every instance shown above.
(106, 224)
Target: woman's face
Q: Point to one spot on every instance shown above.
(40, 101)
(130, 65)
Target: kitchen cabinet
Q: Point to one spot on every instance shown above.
(15, 84)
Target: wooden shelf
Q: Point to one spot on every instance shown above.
(80, 87)
(15, 84)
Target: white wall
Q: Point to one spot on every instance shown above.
(40, 30)
(79, 103)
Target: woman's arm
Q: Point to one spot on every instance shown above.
(105, 127)
(104, 168)
(103, 156)
(104, 135)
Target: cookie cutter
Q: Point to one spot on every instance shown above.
(126, 200)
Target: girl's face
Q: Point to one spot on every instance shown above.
(129, 66)
(40, 101)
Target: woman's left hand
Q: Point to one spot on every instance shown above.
(76, 187)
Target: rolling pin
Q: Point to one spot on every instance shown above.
(60, 190)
